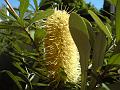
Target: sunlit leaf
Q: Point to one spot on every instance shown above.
(118, 21)
(36, 5)
(39, 34)
(115, 59)
(12, 13)
(23, 7)
(41, 14)
(4, 15)
(32, 32)
(100, 24)
(7, 26)
(42, 2)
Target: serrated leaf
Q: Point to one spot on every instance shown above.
(115, 59)
(100, 24)
(118, 21)
(80, 35)
(41, 14)
(23, 7)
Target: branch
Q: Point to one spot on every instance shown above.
(11, 8)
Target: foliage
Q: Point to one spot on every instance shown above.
(22, 33)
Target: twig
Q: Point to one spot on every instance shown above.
(11, 8)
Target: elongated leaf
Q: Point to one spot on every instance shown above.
(36, 5)
(27, 81)
(17, 65)
(113, 1)
(99, 50)
(12, 13)
(41, 3)
(91, 32)
(100, 24)
(80, 35)
(23, 7)
(40, 84)
(39, 34)
(5, 16)
(13, 77)
(41, 14)
(6, 26)
(118, 21)
(32, 32)
(79, 24)
(99, 47)
(115, 59)
(104, 87)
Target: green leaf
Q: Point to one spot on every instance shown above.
(79, 24)
(12, 13)
(36, 5)
(26, 80)
(17, 65)
(44, 4)
(80, 35)
(104, 87)
(32, 32)
(4, 15)
(100, 24)
(91, 32)
(99, 49)
(113, 1)
(39, 35)
(40, 84)
(23, 7)
(41, 14)
(118, 21)
(14, 78)
(6, 26)
(115, 59)
(41, 3)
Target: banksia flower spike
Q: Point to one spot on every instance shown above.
(60, 49)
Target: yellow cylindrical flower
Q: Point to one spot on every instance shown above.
(60, 49)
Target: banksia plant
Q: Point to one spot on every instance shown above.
(60, 49)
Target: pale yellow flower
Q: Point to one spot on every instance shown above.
(60, 49)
